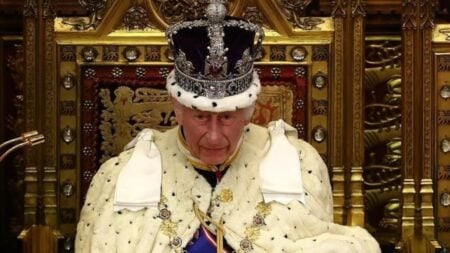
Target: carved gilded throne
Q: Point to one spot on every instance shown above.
(111, 76)
(105, 81)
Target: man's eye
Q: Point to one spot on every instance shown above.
(226, 118)
(201, 117)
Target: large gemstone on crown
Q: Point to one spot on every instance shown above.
(215, 90)
(215, 69)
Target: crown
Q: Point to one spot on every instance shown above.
(214, 60)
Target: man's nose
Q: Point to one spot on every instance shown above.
(214, 130)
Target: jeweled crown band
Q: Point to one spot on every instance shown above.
(214, 89)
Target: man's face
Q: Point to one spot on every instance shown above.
(211, 137)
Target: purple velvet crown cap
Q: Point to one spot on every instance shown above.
(194, 42)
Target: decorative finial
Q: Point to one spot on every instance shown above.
(216, 11)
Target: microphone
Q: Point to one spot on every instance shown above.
(31, 138)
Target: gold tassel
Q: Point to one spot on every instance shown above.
(219, 225)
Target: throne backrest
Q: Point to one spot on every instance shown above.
(111, 85)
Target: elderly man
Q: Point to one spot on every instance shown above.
(215, 183)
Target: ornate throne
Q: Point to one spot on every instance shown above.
(111, 77)
(102, 80)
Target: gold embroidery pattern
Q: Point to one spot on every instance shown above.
(162, 202)
(225, 196)
(264, 209)
(168, 227)
(253, 231)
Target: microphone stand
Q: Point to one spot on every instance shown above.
(37, 238)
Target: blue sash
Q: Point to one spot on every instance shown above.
(203, 242)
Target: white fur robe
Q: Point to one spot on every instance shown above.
(250, 225)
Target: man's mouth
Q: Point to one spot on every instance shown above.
(215, 149)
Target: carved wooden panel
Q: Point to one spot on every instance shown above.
(442, 142)
(382, 138)
(12, 125)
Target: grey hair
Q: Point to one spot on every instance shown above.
(249, 110)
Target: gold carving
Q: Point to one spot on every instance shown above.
(253, 15)
(30, 9)
(173, 11)
(95, 8)
(337, 96)
(136, 18)
(338, 194)
(67, 107)
(383, 106)
(337, 112)
(382, 138)
(446, 32)
(49, 10)
(358, 9)
(444, 172)
(443, 117)
(168, 12)
(388, 204)
(68, 53)
(278, 53)
(443, 224)
(444, 63)
(320, 53)
(274, 102)
(339, 9)
(152, 53)
(428, 8)
(426, 192)
(408, 102)
(408, 212)
(50, 96)
(408, 75)
(358, 69)
(382, 183)
(409, 15)
(110, 53)
(383, 53)
(295, 10)
(428, 102)
(356, 212)
(320, 107)
(128, 113)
